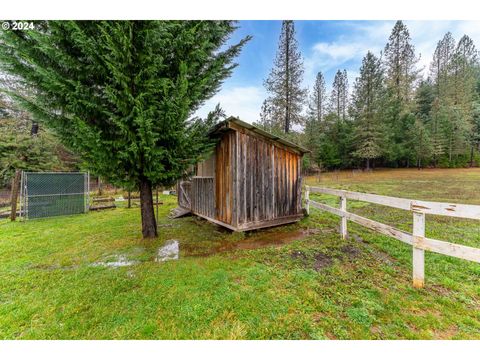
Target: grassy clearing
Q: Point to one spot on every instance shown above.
(313, 286)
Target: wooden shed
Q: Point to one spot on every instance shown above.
(252, 180)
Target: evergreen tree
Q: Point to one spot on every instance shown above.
(20, 150)
(419, 133)
(339, 95)
(367, 110)
(120, 93)
(460, 99)
(424, 97)
(419, 137)
(400, 62)
(314, 126)
(441, 64)
(25, 146)
(266, 116)
(401, 76)
(318, 99)
(284, 82)
(344, 95)
(438, 120)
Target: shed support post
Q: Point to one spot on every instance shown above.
(418, 253)
(307, 199)
(343, 221)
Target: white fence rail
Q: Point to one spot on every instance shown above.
(417, 239)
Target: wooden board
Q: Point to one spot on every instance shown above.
(269, 180)
(426, 207)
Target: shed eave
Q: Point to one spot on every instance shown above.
(224, 125)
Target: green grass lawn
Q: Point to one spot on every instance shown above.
(294, 282)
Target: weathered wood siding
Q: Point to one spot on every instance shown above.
(256, 182)
(203, 196)
(224, 176)
(268, 180)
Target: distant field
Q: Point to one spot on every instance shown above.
(294, 282)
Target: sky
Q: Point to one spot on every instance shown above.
(326, 46)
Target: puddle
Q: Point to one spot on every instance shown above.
(169, 251)
(251, 242)
(171, 248)
(118, 261)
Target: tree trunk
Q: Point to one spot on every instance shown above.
(15, 189)
(368, 164)
(129, 199)
(34, 129)
(149, 226)
(471, 156)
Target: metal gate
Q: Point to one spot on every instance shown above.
(46, 194)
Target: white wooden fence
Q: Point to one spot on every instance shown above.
(417, 239)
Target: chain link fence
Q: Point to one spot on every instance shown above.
(49, 194)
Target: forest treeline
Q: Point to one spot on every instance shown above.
(393, 116)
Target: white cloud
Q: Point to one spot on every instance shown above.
(354, 41)
(242, 101)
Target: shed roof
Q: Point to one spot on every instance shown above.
(225, 125)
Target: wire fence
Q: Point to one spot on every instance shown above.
(53, 194)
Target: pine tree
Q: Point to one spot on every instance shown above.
(266, 117)
(440, 65)
(19, 150)
(314, 126)
(121, 93)
(419, 133)
(424, 97)
(344, 95)
(367, 102)
(401, 77)
(419, 137)
(318, 99)
(400, 62)
(461, 97)
(339, 95)
(268, 122)
(437, 123)
(284, 83)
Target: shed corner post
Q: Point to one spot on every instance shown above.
(307, 199)
(418, 260)
(343, 221)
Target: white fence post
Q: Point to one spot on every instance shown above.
(418, 254)
(343, 221)
(307, 199)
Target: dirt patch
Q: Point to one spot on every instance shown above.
(53, 267)
(439, 289)
(377, 254)
(351, 251)
(445, 334)
(322, 261)
(357, 238)
(298, 255)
